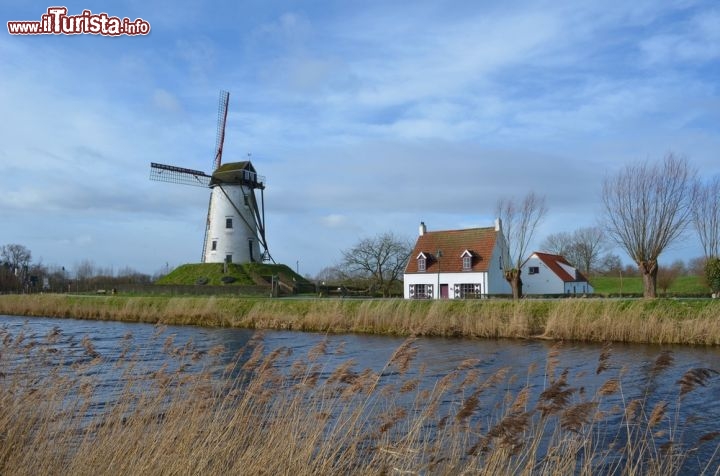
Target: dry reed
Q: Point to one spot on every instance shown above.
(599, 320)
(199, 414)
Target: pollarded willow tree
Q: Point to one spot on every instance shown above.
(519, 219)
(706, 217)
(647, 207)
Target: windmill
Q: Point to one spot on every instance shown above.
(235, 225)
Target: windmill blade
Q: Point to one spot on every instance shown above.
(222, 120)
(172, 174)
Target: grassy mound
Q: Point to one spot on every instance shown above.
(208, 274)
(282, 271)
(211, 274)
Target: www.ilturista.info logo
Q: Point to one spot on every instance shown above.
(57, 22)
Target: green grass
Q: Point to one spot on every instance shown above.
(244, 275)
(683, 286)
(213, 272)
(285, 273)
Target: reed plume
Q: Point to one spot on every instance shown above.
(694, 377)
(604, 358)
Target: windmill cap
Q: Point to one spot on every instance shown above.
(241, 173)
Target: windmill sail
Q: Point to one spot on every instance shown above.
(173, 174)
(222, 120)
(219, 142)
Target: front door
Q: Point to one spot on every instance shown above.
(444, 293)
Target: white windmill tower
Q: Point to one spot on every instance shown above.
(235, 226)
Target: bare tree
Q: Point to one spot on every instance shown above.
(18, 259)
(520, 220)
(331, 274)
(668, 274)
(679, 267)
(647, 207)
(706, 217)
(381, 259)
(588, 244)
(610, 264)
(18, 256)
(582, 248)
(85, 270)
(558, 244)
(696, 266)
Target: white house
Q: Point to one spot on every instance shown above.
(545, 273)
(457, 264)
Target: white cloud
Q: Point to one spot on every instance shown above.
(334, 221)
(364, 118)
(696, 40)
(166, 101)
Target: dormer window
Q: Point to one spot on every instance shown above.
(467, 259)
(421, 262)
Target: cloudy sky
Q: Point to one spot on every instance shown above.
(365, 117)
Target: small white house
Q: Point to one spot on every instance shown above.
(545, 273)
(457, 264)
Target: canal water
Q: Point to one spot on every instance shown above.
(635, 365)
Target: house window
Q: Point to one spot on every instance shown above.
(421, 264)
(470, 290)
(214, 245)
(467, 263)
(228, 223)
(533, 270)
(421, 291)
(228, 258)
(500, 262)
(247, 201)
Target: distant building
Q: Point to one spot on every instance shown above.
(457, 264)
(545, 273)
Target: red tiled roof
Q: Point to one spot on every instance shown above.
(553, 262)
(453, 243)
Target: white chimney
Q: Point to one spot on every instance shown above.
(423, 228)
(498, 224)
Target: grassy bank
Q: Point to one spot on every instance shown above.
(644, 321)
(632, 285)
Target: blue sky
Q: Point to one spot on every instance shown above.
(365, 117)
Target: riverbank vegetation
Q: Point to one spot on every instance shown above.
(63, 411)
(662, 321)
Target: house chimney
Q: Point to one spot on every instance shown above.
(498, 224)
(423, 228)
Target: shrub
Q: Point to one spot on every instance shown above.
(712, 274)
